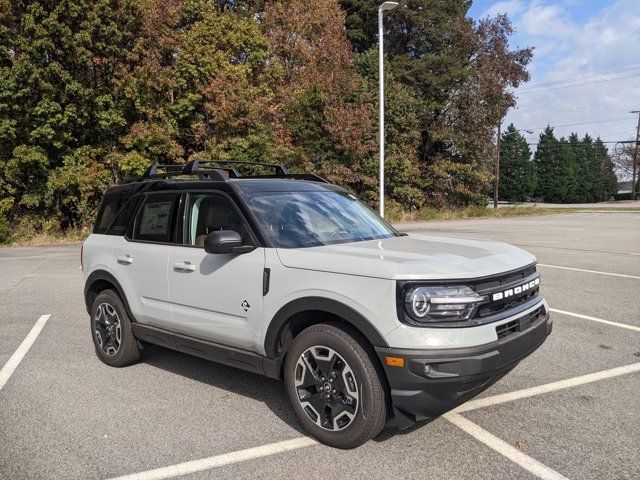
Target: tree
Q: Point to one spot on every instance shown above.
(609, 181)
(324, 116)
(59, 67)
(460, 73)
(93, 89)
(518, 175)
(202, 85)
(556, 175)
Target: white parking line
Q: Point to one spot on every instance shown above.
(547, 388)
(220, 460)
(595, 319)
(22, 350)
(589, 271)
(525, 461)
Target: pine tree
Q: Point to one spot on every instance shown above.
(518, 175)
(609, 181)
(556, 172)
(579, 156)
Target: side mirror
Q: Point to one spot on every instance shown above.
(225, 241)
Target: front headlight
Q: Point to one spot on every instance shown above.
(441, 304)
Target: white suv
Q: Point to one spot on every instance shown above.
(289, 276)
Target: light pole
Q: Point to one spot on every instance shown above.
(382, 8)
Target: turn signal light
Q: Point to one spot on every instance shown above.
(395, 361)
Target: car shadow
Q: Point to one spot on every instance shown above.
(233, 380)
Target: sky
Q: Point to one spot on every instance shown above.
(590, 50)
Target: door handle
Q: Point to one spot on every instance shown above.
(185, 267)
(126, 259)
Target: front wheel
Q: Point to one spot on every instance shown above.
(334, 387)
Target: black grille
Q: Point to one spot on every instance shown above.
(505, 282)
(511, 302)
(520, 324)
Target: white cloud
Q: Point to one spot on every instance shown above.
(547, 21)
(510, 7)
(564, 49)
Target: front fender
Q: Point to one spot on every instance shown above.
(334, 307)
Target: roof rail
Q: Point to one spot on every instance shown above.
(194, 167)
(280, 170)
(209, 170)
(155, 170)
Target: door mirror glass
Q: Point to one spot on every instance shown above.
(223, 241)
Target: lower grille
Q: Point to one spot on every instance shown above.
(520, 324)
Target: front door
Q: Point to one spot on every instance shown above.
(216, 297)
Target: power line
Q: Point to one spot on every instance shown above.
(611, 120)
(581, 77)
(564, 110)
(526, 92)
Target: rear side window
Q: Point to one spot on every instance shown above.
(156, 219)
(107, 214)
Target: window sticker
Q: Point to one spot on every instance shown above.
(155, 218)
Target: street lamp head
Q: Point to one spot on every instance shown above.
(388, 6)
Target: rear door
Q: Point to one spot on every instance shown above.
(216, 297)
(140, 262)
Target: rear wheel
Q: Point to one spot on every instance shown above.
(111, 331)
(334, 386)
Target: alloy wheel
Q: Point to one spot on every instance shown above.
(108, 329)
(326, 388)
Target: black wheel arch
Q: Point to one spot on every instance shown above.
(102, 280)
(305, 312)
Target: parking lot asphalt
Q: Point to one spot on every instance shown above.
(63, 414)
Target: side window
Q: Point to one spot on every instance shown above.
(156, 219)
(209, 212)
(107, 214)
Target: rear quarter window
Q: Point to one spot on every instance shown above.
(107, 215)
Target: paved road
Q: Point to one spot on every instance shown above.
(63, 414)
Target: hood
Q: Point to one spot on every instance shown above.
(411, 258)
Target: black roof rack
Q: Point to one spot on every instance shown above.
(210, 170)
(279, 169)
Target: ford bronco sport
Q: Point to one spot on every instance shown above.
(291, 277)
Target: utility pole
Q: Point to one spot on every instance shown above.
(635, 159)
(497, 175)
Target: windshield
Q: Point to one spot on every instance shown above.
(308, 219)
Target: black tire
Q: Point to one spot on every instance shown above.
(113, 352)
(368, 416)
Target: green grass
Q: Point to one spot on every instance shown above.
(22, 237)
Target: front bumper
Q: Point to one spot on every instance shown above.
(454, 376)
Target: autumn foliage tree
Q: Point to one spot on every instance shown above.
(95, 90)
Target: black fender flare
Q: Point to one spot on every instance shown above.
(348, 314)
(105, 276)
